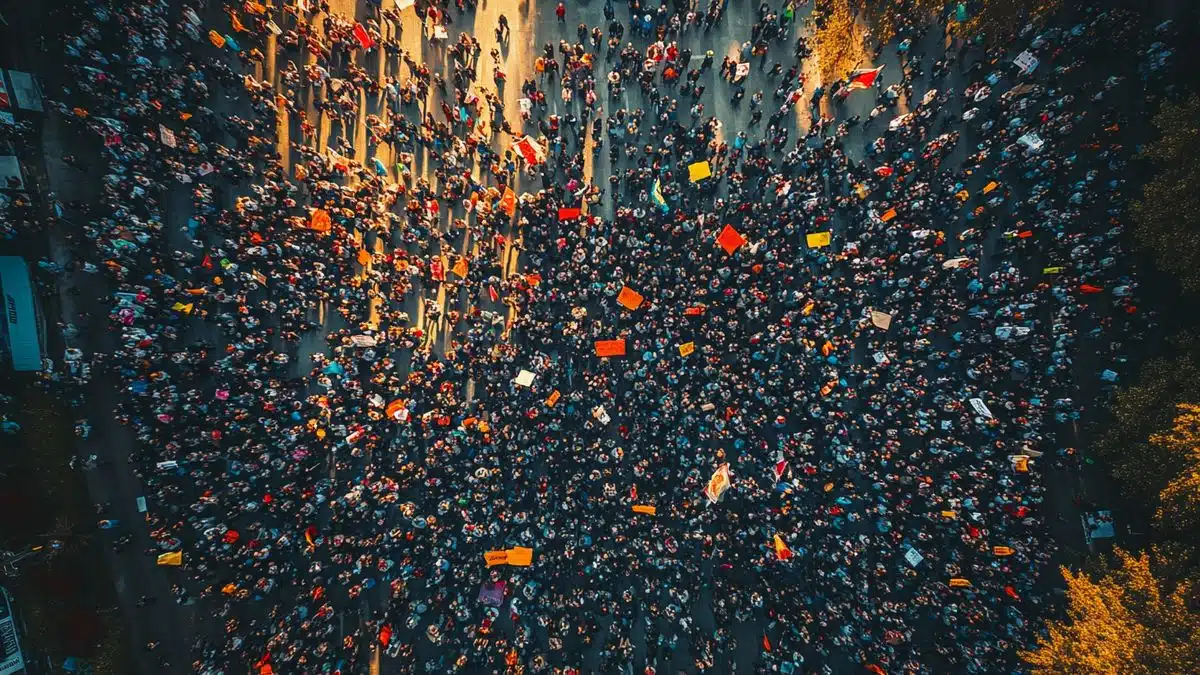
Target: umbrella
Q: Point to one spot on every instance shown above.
(380, 169)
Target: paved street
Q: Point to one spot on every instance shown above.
(533, 24)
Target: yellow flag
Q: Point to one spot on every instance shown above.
(180, 307)
(460, 267)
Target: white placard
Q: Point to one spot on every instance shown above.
(914, 557)
(524, 378)
(1026, 61)
(981, 407)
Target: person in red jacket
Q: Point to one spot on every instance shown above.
(561, 12)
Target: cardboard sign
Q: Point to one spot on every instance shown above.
(698, 171)
(687, 348)
(881, 320)
(363, 340)
(607, 348)
(818, 239)
(730, 240)
(493, 558)
(648, 510)
(553, 398)
(629, 298)
(171, 558)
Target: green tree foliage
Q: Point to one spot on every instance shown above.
(1165, 218)
(1127, 620)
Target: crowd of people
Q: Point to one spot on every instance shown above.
(838, 374)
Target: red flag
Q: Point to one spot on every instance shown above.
(360, 34)
(633, 493)
(530, 150)
(385, 634)
(207, 262)
(568, 214)
(1088, 288)
(1011, 592)
(766, 643)
(493, 294)
(864, 79)
(780, 467)
(508, 202)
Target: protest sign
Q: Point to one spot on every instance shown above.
(607, 348)
(881, 320)
(914, 557)
(524, 378)
(553, 398)
(648, 510)
(730, 240)
(687, 348)
(981, 407)
(818, 239)
(629, 298)
(698, 171)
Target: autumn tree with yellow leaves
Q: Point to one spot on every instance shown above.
(1126, 619)
(838, 38)
(1179, 501)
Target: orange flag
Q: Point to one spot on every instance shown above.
(782, 552)
(460, 267)
(319, 222)
(730, 239)
(508, 202)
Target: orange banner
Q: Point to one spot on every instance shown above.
(606, 348)
(642, 508)
(493, 558)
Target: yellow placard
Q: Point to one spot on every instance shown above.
(642, 508)
(992, 185)
(1002, 551)
(818, 239)
(493, 558)
(687, 348)
(1053, 270)
(698, 171)
(171, 558)
(949, 515)
(959, 583)
(181, 307)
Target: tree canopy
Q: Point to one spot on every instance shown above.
(1126, 619)
(1165, 218)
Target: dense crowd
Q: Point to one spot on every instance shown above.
(843, 443)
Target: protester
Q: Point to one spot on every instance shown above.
(882, 397)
